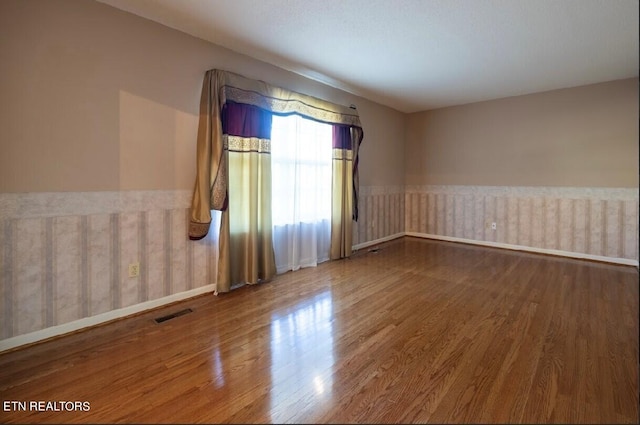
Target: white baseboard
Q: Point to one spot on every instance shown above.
(579, 255)
(377, 241)
(86, 322)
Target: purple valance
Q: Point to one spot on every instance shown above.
(246, 121)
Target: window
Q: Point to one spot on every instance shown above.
(300, 170)
(301, 181)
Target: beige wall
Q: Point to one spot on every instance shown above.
(96, 99)
(585, 137)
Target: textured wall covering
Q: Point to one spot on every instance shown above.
(65, 256)
(381, 211)
(595, 221)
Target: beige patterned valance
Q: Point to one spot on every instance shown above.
(237, 88)
(246, 144)
(343, 154)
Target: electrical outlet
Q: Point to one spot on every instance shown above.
(134, 269)
(493, 226)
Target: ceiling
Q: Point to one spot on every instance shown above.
(415, 55)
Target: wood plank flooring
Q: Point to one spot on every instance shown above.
(420, 331)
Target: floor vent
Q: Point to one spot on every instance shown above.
(173, 315)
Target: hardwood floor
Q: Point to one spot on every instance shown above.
(420, 331)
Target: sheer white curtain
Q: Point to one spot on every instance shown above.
(301, 191)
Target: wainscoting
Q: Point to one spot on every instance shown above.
(597, 223)
(64, 257)
(381, 214)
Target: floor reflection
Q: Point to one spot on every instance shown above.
(218, 371)
(302, 357)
